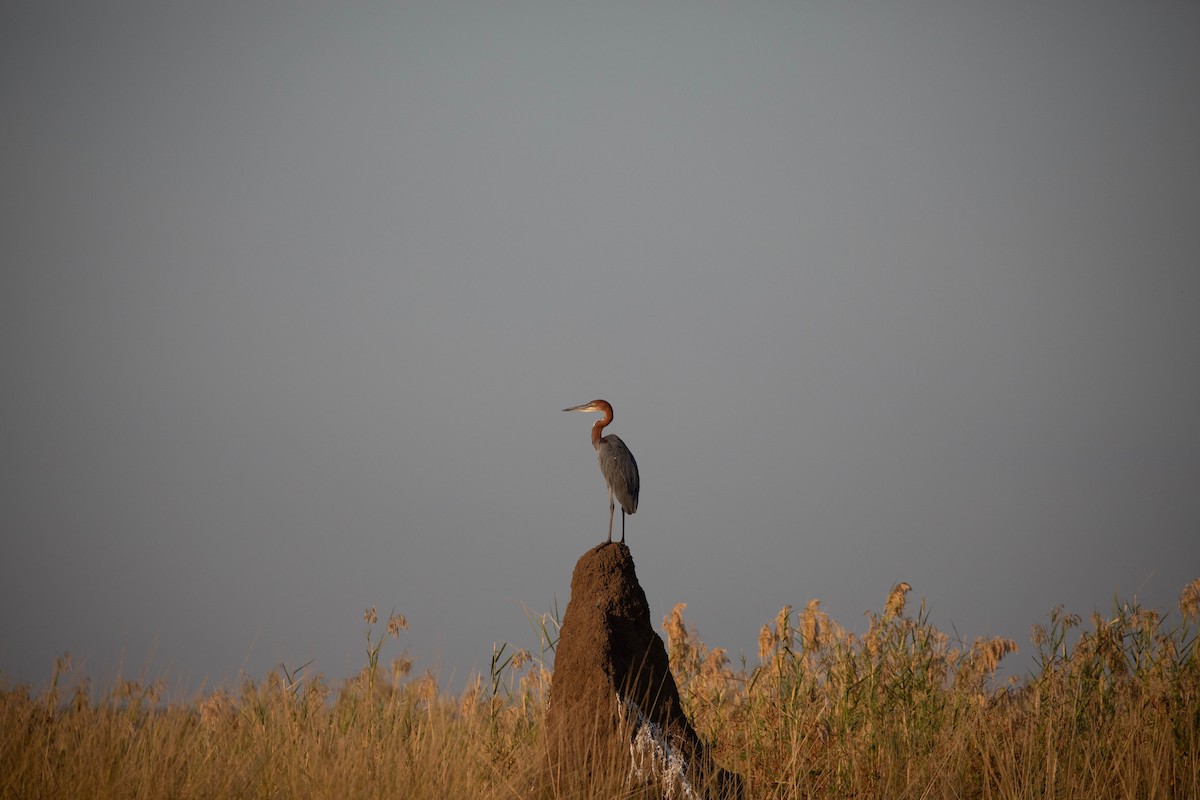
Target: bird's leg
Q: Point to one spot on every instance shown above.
(611, 506)
(622, 524)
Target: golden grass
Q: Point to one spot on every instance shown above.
(901, 711)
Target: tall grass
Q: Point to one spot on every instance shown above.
(900, 711)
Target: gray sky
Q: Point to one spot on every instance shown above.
(292, 297)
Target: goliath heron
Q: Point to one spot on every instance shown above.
(616, 462)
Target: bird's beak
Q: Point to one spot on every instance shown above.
(584, 407)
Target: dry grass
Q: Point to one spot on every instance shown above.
(901, 711)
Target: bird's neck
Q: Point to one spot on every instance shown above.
(598, 428)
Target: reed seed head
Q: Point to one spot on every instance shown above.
(766, 643)
(783, 630)
(1189, 600)
(401, 666)
(994, 650)
(675, 627)
(810, 624)
(895, 602)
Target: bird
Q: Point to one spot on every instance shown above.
(616, 463)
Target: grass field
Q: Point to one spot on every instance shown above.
(901, 711)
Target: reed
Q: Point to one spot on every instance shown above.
(1112, 709)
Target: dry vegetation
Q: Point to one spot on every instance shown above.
(901, 711)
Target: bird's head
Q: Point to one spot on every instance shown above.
(596, 405)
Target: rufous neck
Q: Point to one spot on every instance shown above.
(598, 428)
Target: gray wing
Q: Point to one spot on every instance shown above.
(620, 471)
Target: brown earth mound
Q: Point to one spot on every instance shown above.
(612, 691)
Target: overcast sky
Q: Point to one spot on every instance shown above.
(293, 294)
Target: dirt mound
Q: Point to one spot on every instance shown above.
(613, 695)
